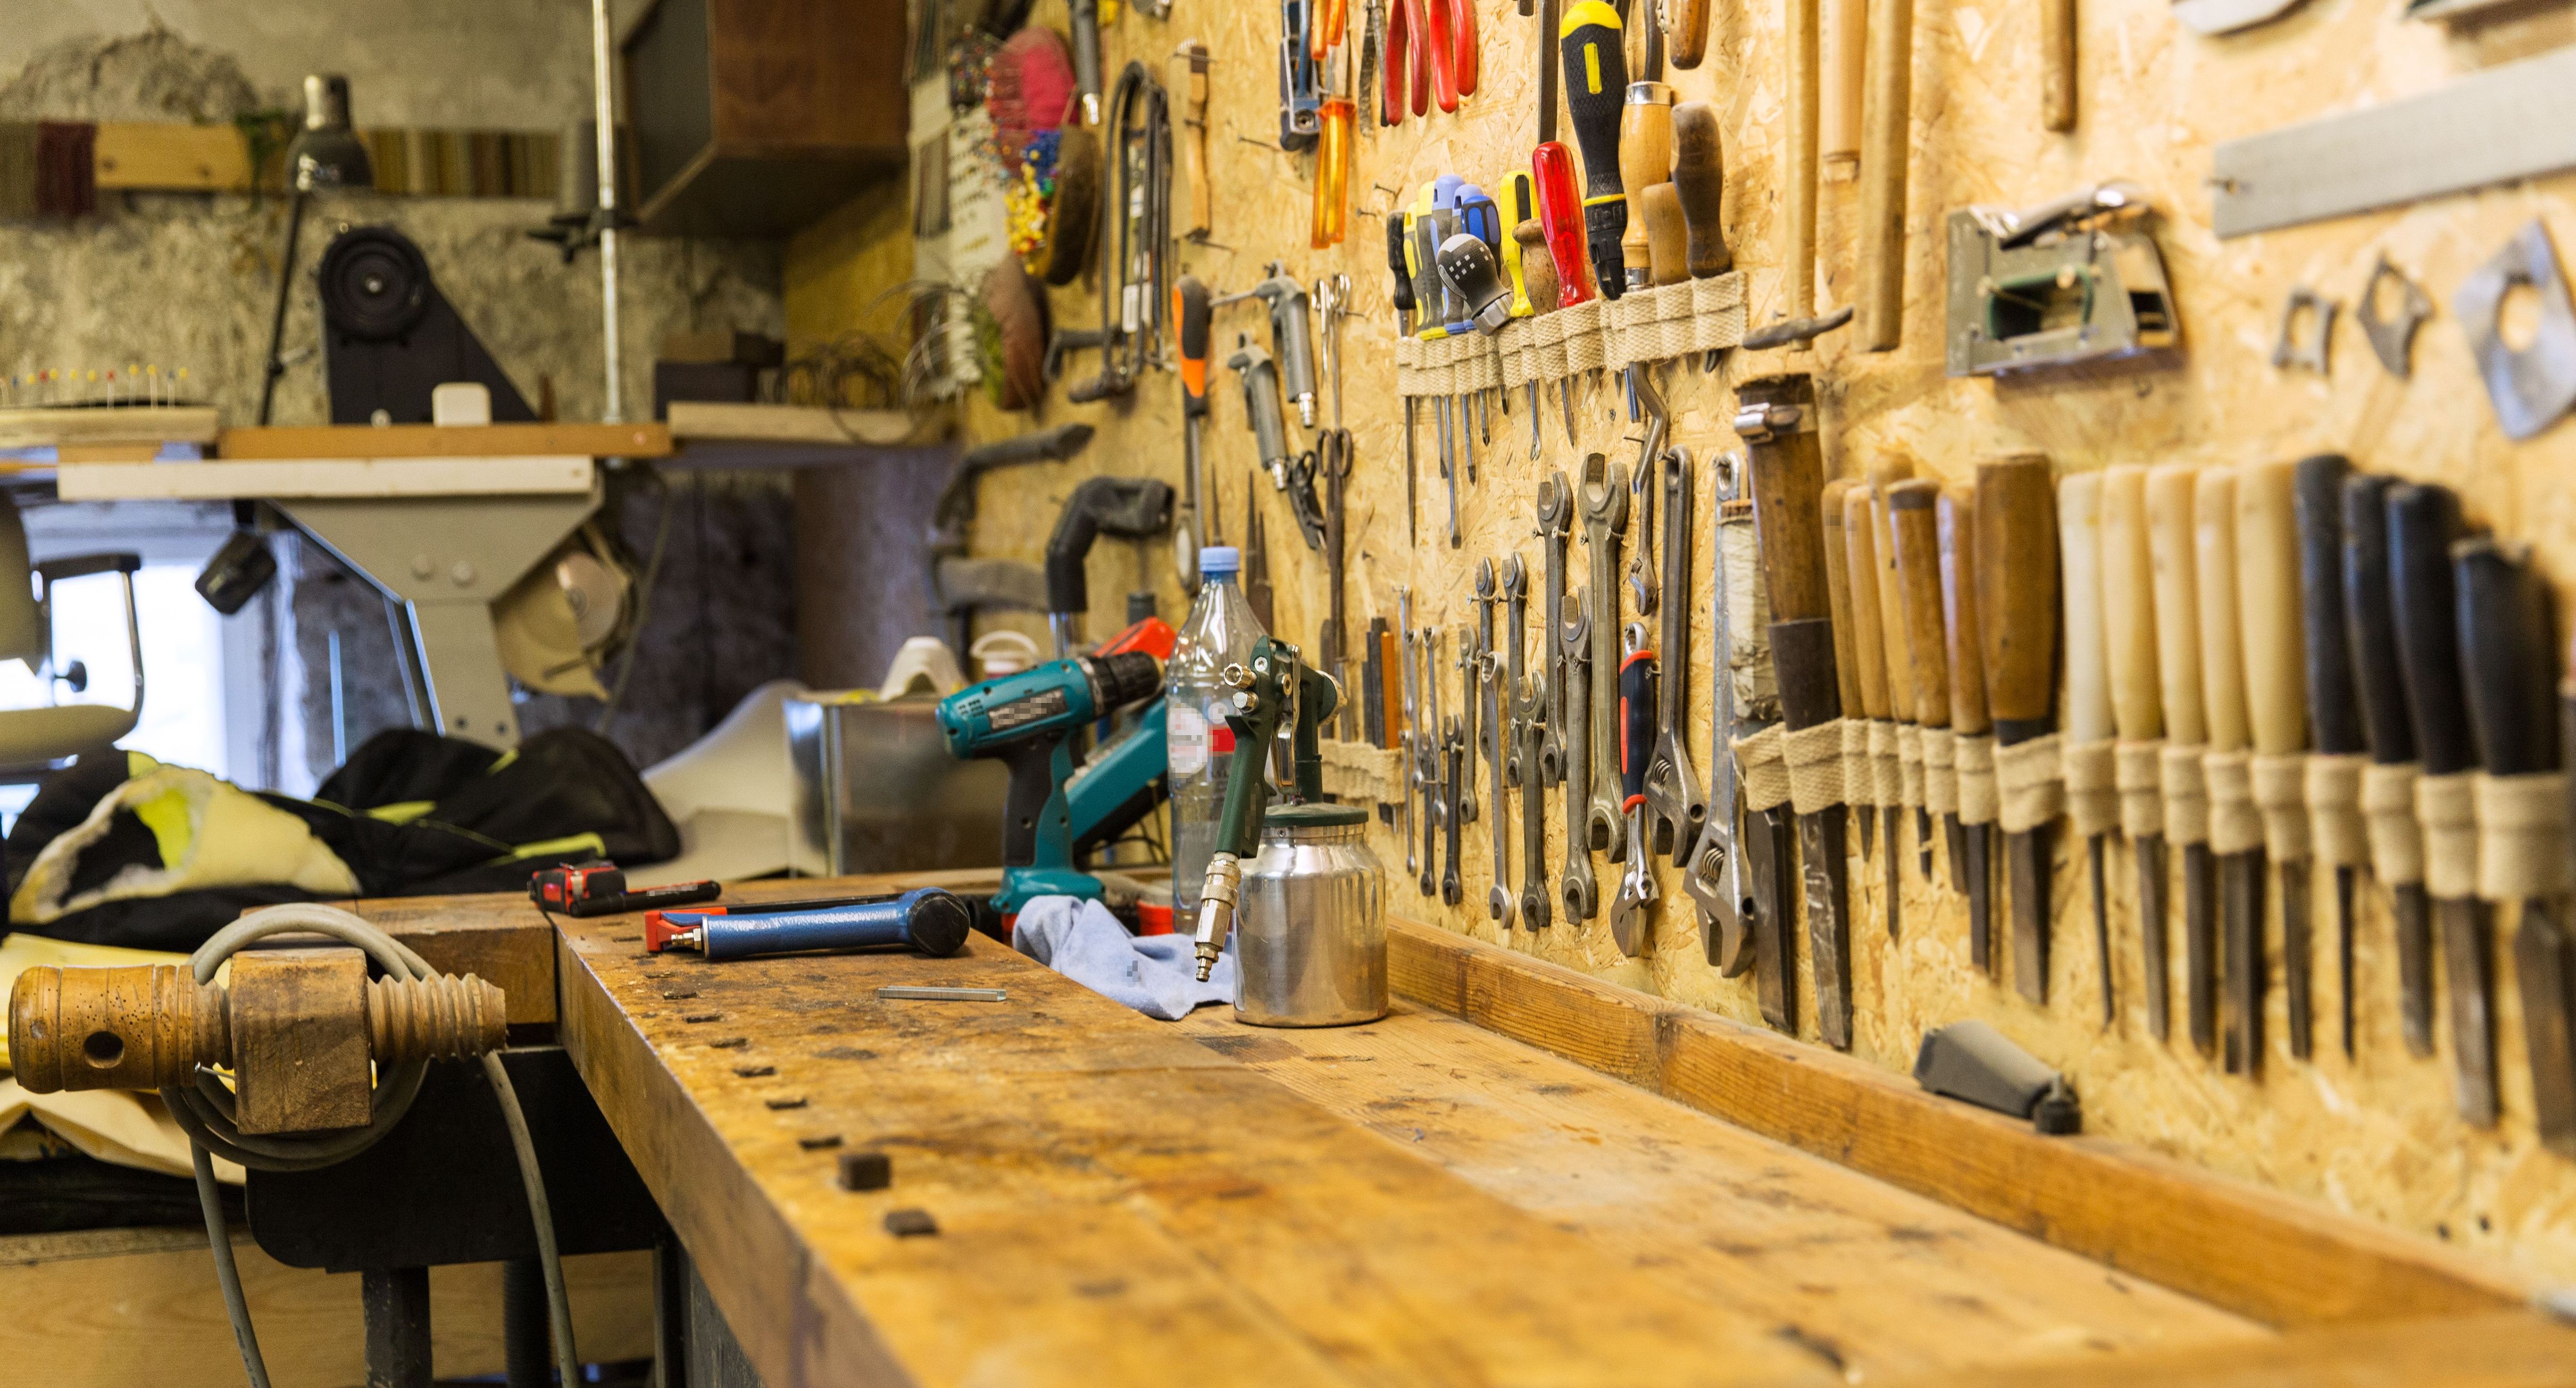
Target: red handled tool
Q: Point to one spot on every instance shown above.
(599, 889)
(1430, 54)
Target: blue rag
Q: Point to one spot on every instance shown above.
(1154, 974)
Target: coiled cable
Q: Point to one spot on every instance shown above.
(205, 1112)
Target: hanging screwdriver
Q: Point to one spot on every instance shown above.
(1336, 114)
(1398, 224)
(1645, 159)
(1190, 309)
(1520, 208)
(1596, 85)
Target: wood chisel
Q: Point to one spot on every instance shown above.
(2237, 843)
(1971, 728)
(1911, 507)
(1869, 648)
(2137, 713)
(1699, 177)
(1884, 153)
(1847, 663)
(2423, 523)
(2089, 723)
(2506, 650)
(2017, 616)
(1645, 159)
(1688, 39)
(2334, 701)
(1776, 416)
(2267, 589)
(1889, 471)
(2397, 844)
(1596, 86)
(2170, 542)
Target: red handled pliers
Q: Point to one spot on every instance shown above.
(1430, 52)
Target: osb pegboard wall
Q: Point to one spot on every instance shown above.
(2375, 1135)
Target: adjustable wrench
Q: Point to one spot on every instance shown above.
(1581, 895)
(1605, 516)
(1497, 701)
(1520, 768)
(1555, 530)
(1716, 878)
(1637, 890)
(1675, 809)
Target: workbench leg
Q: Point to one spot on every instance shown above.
(527, 1329)
(397, 1310)
(715, 1358)
(670, 1313)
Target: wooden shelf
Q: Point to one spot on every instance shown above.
(272, 442)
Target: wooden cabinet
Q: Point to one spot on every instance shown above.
(754, 117)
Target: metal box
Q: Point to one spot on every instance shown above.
(876, 790)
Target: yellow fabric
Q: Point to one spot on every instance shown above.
(403, 813)
(235, 839)
(166, 815)
(595, 845)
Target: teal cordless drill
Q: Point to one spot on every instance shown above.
(1274, 686)
(1029, 721)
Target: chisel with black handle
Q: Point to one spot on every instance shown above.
(2370, 621)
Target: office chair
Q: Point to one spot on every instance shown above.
(33, 740)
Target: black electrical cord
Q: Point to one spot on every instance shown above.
(205, 1112)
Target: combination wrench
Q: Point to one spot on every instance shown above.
(1605, 517)
(1675, 808)
(1488, 678)
(1529, 712)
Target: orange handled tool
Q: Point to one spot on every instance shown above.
(1335, 118)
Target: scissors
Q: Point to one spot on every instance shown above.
(1430, 53)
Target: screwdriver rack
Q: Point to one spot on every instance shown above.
(2321, 1124)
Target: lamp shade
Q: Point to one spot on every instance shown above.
(326, 153)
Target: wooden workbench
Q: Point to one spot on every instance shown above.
(1426, 1200)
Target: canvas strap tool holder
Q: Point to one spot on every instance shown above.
(1644, 326)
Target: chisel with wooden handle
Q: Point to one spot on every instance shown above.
(2506, 641)
(1968, 717)
(1699, 177)
(2088, 672)
(1887, 473)
(2334, 699)
(1687, 41)
(2423, 523)
(2178, 685)
(1911, 507)
(2240, 853)
(2017, 617)
(1645, 159)
(2137, 708)
(2370, 622)
(2267, 591)
(1847, 666)
(1860, 552)
(1776, 417)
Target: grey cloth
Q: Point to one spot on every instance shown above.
(1154, 974)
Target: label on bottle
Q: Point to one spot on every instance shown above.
(1185, 741)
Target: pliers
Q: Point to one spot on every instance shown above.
(1430, 52)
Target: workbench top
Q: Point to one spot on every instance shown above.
(1417, 1201)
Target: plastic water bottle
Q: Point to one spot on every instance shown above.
(1220, 631)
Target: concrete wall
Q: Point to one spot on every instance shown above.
(187, 281)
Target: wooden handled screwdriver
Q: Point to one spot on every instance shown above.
(2506, 641)
(2370, 621)
(1968, 717)
(2088, 670)
(2423, 523)
(2334, 699)
(2222, 688)
(2267, 590)
(2137, 702)
(1645, 159)
(2170, 542)
(1911, 519)
(2017, 617)
(1777, 418)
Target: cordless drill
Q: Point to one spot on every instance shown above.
(1030, 721)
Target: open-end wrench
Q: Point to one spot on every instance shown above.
(1485, 680)
(1637, 696)
(1556, 532)
(1427, 747)
(1715, 877)
(1412, 760)
(1605, 516)
(1471, 651)
(1529, 713)
(1453, 746)
(1675, 808)
(1575, 886)
(1643, 578)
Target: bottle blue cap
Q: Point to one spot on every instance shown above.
(1220, 559)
